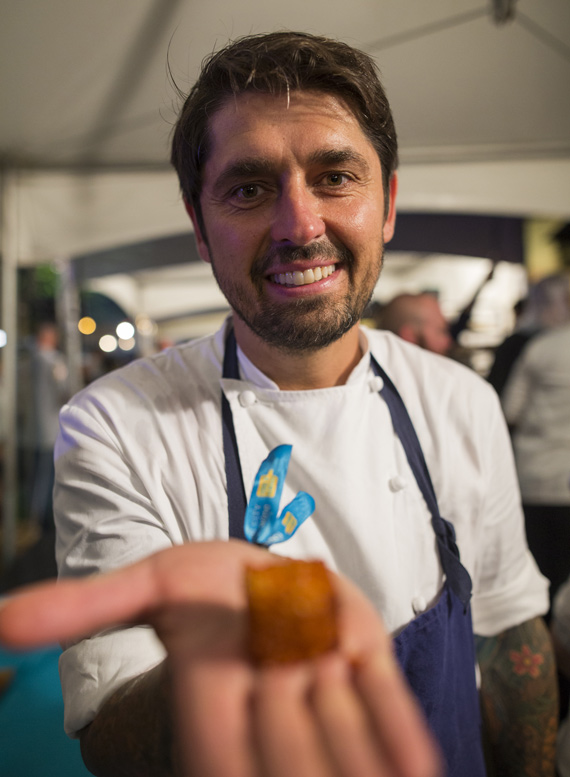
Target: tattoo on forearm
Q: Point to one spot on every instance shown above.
(519, 700)
(130, 737)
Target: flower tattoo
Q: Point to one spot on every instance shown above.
(526, 662)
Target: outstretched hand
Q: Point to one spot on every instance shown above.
(344, 714)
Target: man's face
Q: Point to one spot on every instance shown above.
(293, 212)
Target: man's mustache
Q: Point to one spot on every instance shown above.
(283, 255)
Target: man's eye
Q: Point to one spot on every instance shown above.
(336, 179)
(248, 192)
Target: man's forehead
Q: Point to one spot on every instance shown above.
(300, 105)
(283, 98)
(317, 124)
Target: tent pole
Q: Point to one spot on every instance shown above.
(9, 320)
(68, 312)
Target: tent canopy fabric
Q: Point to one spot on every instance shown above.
(87, 83)
(87, 103)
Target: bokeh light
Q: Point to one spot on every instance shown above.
(145, 325)
(108, 343)
(86, 325)
(125, 330)
(126, 344)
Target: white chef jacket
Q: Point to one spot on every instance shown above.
(536, 402)
(140, 466)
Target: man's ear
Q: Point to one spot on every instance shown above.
(390, 222)
(201, 242)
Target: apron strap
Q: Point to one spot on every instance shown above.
(457, 576)
(237, 501)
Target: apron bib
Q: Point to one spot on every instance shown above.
(436, 650)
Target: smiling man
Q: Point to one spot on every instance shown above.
(286, 153)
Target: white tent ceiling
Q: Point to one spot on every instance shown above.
(86, 105)
(85, 81)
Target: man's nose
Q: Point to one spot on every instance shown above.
(297, 216)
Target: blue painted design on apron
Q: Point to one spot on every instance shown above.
(436, 650)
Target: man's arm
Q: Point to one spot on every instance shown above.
(519, 700)
(132, 732)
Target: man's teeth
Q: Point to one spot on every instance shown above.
(299, 278)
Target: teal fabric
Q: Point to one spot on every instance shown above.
(32, 740)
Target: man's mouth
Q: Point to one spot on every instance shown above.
(304, 278)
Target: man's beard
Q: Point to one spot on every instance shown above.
(305, 323)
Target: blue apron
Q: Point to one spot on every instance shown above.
(436, 650)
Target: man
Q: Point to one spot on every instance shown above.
(418, 319)
(48, 386)
(546, 306)
(286, 153)
(537, 408)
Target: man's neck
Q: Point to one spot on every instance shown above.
(306, 370)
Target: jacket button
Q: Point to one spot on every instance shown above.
(376, 384)
(247, 398)
(397, 483)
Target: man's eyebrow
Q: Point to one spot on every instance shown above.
(338, 156)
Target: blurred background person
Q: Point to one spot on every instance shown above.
(547, 305)
(43, 387)
(536, 402)
(418, 319)
(48, 391)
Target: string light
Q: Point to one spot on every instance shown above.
(108, 343)
(126, 344)
(86, 325)
(125, 330)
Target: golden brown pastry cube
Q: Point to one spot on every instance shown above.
(292, 611)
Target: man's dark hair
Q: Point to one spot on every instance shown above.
(280, 63)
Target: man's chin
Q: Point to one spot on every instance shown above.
(303, 332)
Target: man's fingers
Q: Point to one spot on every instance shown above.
(326, 719)
(396, 718)
(211, 702)
(285, 734)
(56, 611)
(361, 631)
(344, 722)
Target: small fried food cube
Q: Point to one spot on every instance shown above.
(292, 612)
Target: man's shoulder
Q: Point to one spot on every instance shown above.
(436, 390)
(451, 407)
(400, 358)
(172, 370)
